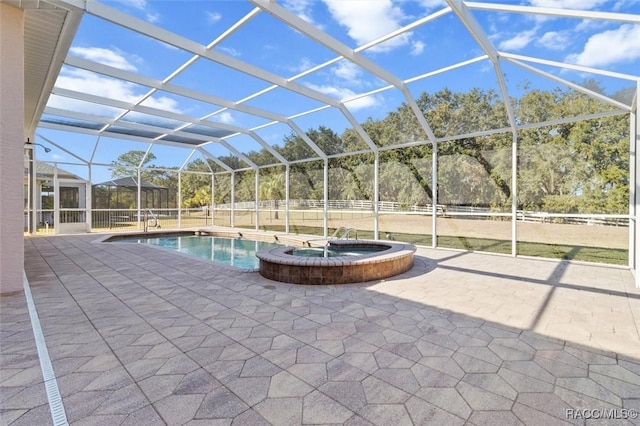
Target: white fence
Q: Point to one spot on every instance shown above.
(468, 212)
(204, 216)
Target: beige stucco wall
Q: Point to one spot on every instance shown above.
(11, 147)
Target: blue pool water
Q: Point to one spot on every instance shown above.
(237, 252)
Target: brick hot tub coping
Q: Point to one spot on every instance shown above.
(280, 264)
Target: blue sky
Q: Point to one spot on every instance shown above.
(267, 43)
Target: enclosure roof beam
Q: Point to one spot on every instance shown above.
(215, 159)
(347, 53)
(167, 114)
(186, 161)
(556, 12)
(382, 39)
(62, 148)
(324, 39)
(132, 77)
(107, 133)
(188, 120)
(476, 31)
(144, 157)
(308, 140)
(238, 153)
(160, 34)
(573, 67)
(574, 86)
(195, 57)
(268, 147)
(135, 78)
(358, 128)
(162, 131)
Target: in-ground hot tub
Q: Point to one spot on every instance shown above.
(355, 261)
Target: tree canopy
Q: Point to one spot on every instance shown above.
(575, 167)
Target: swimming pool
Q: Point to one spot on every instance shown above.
(236, 252)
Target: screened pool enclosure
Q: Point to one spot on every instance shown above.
(491, 126)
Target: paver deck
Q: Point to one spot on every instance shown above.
(140, 336)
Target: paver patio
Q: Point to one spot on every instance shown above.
(140, 336)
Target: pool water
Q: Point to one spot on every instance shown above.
(236, 252)
(335, 252)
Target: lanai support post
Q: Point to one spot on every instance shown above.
(56, 199)
(88, 200)
(257, 198)
(287, 176)
(434, 194)
(376, 196)
(325, 180)
(139, 202)
(213, 199)
(233, 200)
(179, 200)
(514, 195)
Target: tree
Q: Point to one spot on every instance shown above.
(303, 179)
(196, 184)
(576, 167)
(127, 164)
(573, 167)
(453, 114)
(272, 188)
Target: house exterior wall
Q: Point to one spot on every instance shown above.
(11, 148)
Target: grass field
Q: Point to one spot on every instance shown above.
(603, 244)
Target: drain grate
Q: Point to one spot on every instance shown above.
(50, 383)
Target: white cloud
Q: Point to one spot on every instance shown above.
(224, 117)
(362, 103)
(98, 85)
(302, 8)
(591, 25)
(138, 4)
(153, 17)
(231, 51)
(610, 47)
(554, 40)
(432, 4)
(623, 4)
(346, 70)
(213, 17)
(163, 103)
(417, 48)
(342, 94)
(70, 104)
(368, 20)
(569, 4)
(519, 41)
(112, 58)
(142, 5)
(305, 64)
(564, 4)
